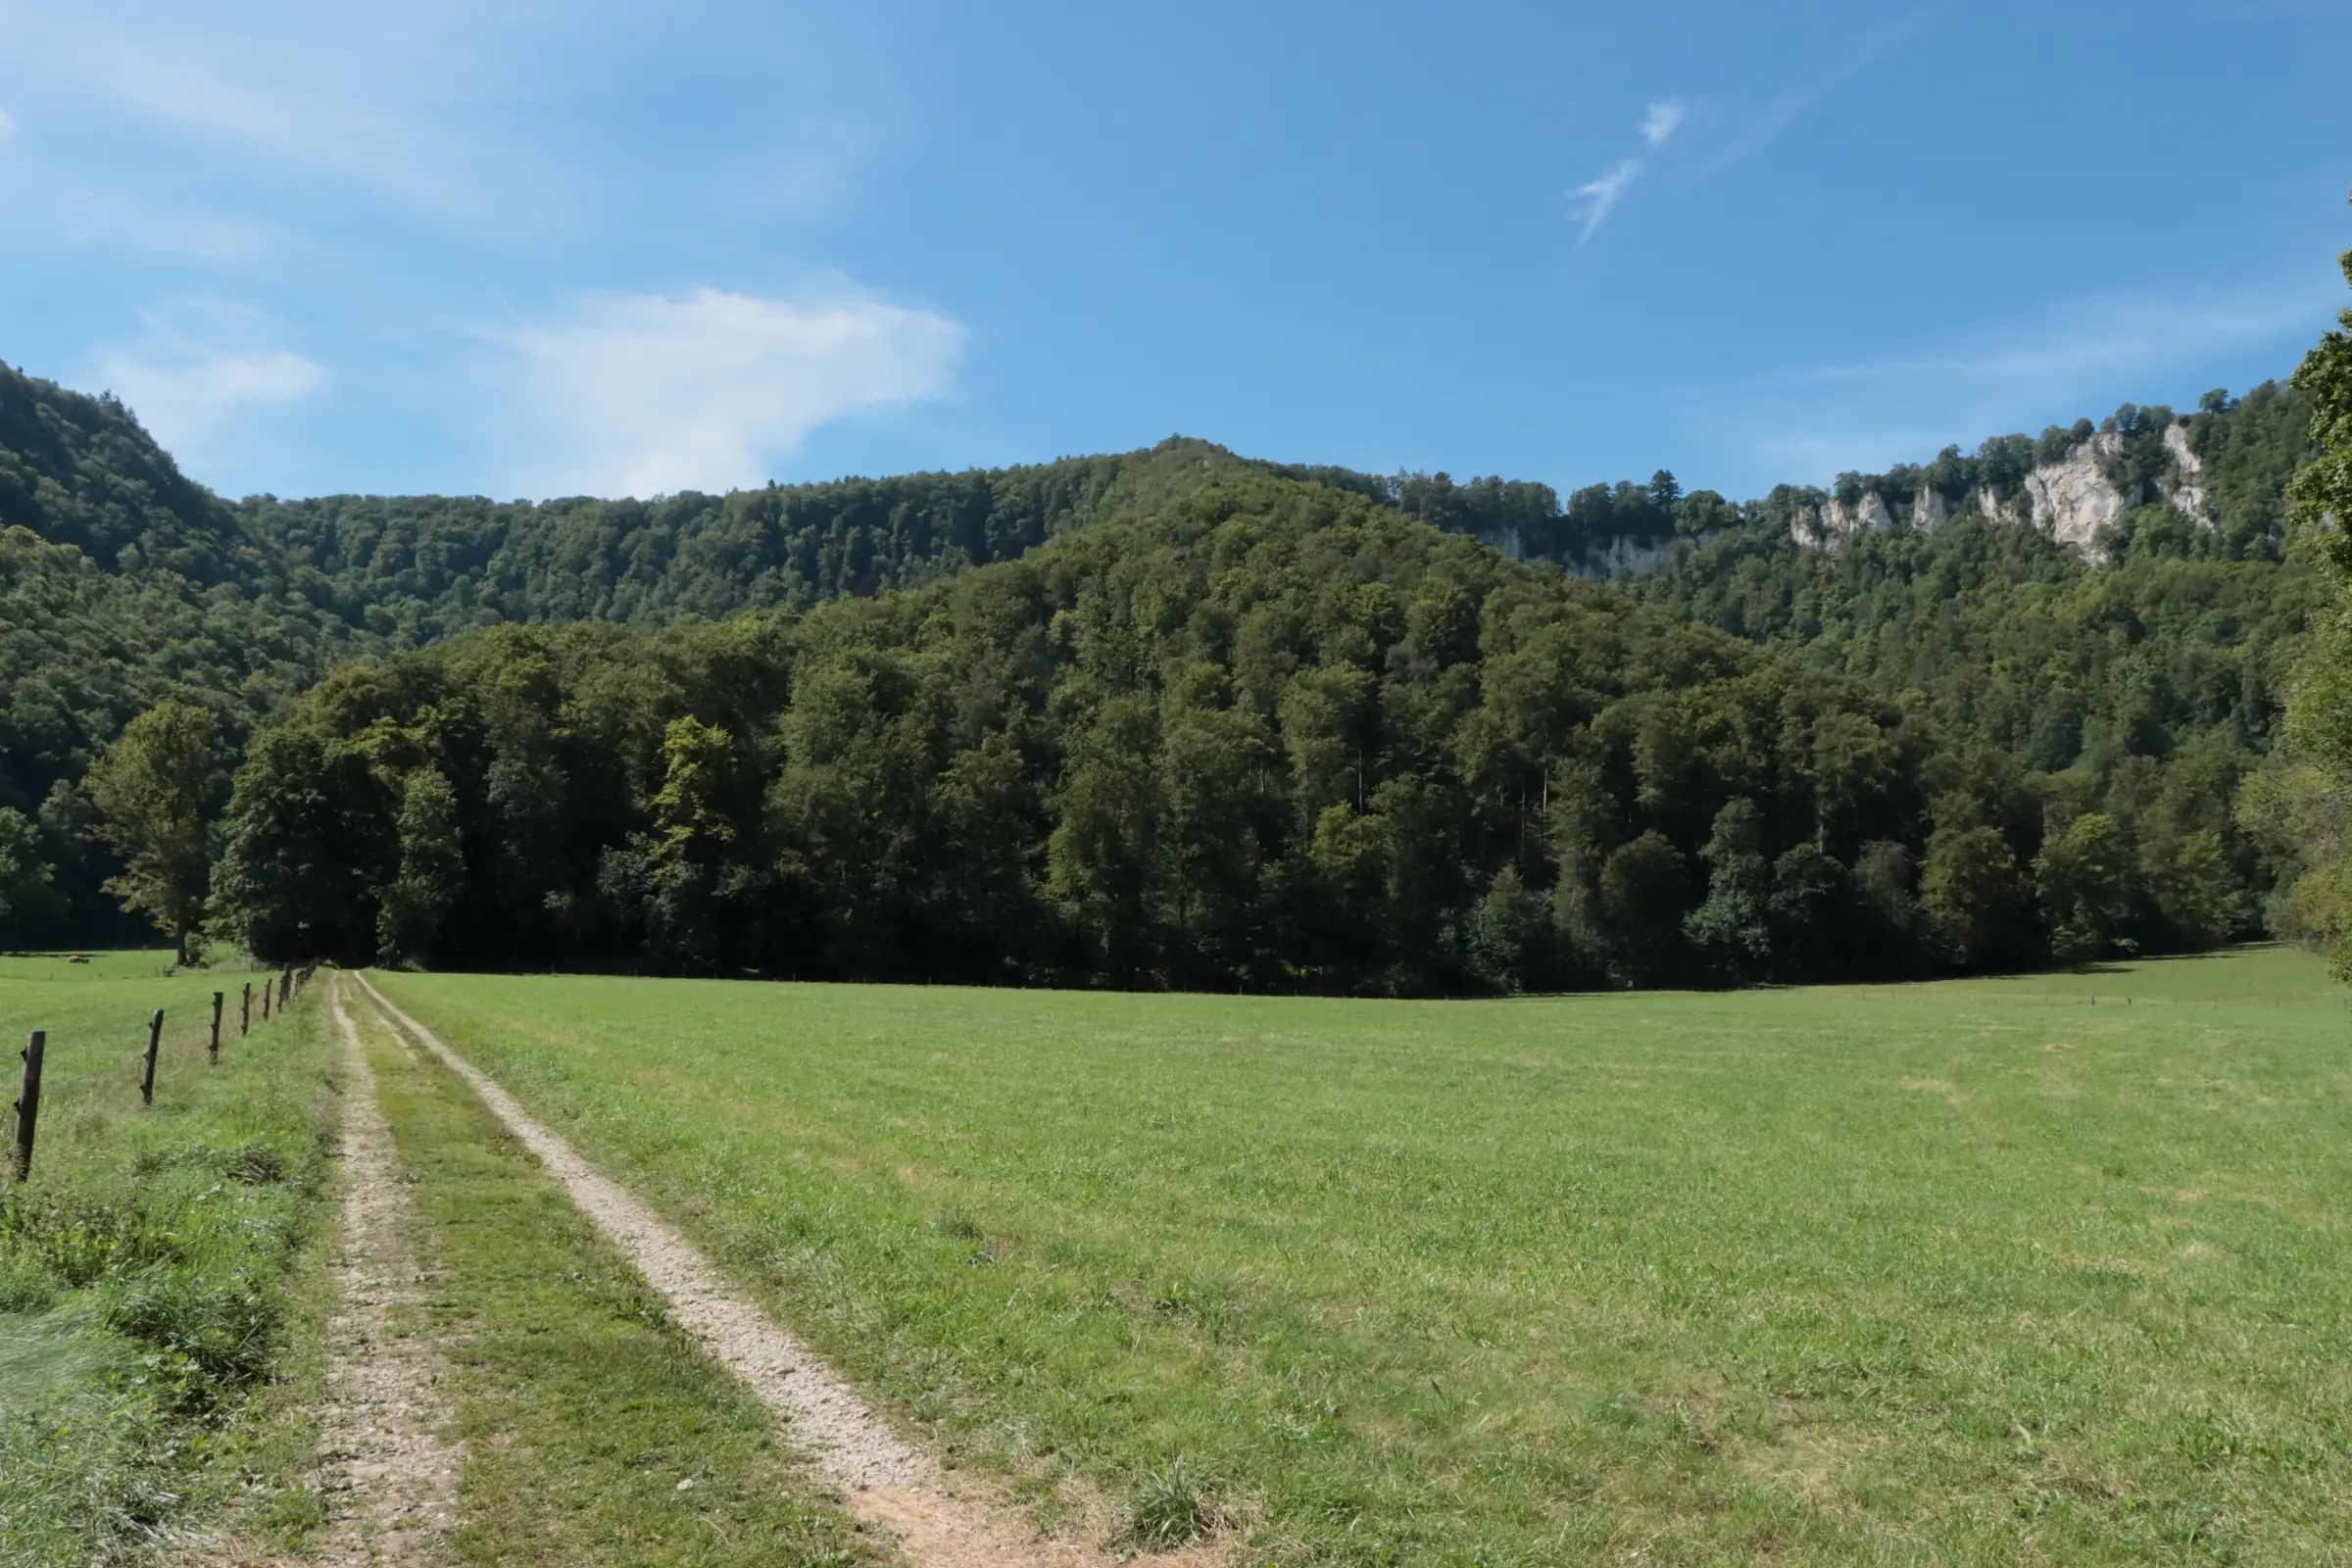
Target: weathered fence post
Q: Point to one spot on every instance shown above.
(29, 1102)
(155, 1037)
(267, 986)
(213, 1051)
(285, 987)
(245, 1012)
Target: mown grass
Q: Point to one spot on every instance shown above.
(583, 1406)
(1967, 1272)
(152, 1266)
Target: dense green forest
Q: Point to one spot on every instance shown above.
(1173, 717)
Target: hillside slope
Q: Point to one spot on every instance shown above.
(2083, 679)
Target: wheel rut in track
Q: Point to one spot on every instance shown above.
(387, 1410)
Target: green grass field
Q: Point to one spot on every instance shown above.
(2048, 1269)
(148, 1269)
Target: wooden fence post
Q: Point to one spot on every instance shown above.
(155, 1036)
(285, 987)
(213, 1051)
(267, 986)
(245, 1012)
(29, 1102)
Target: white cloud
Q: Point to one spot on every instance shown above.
(1661, 121)
(1600, 195)
(196, 395)
(635, 394)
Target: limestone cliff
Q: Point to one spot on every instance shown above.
(2071, 499)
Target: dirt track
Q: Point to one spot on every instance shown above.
(889, 1482)
(386, 1411)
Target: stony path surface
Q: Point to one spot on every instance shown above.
(395, 1474)
(889, 1482)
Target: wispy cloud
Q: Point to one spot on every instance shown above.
(198, 383)
(490, 114)
(2080, 356)
(1599, 196)
(1782, 111)
(374, 96)
(1661, 121)
(638, 394)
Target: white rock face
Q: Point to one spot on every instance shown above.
(1929, 508)
(2071, 498)
(1626, 554)
(1845, 521)
(2000, 507)
(2185, 489)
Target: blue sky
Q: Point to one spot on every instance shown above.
(528, 248)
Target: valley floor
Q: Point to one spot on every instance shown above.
(2033, 1269)
(2040, 1269)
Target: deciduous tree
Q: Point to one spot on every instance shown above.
(154, 789)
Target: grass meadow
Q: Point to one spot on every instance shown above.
(2046, 1269)
(152, 1269)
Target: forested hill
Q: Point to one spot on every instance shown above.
(2067, 732)
(1266, 734)
(124, 584)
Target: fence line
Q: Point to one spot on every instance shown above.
(287, 983)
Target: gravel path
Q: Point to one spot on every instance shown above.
(889, 1482)
(385, 1410)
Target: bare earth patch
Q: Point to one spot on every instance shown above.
(397, 1474)
(890, 1483)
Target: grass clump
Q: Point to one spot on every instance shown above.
(1168, 1509)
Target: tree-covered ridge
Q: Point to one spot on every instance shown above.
(1267, 734)
(2071, 732)
(80, 471)
(412, 568)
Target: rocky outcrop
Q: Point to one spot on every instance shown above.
(1835, 521)
(1625, 556)
(2188, 489)
(1504, 541)
(2071, 499)
(1840, 520)
(1619, 554)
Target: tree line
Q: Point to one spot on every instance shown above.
(1271, 735)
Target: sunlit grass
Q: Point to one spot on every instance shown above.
(1972, 1271)
(147, 1267)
